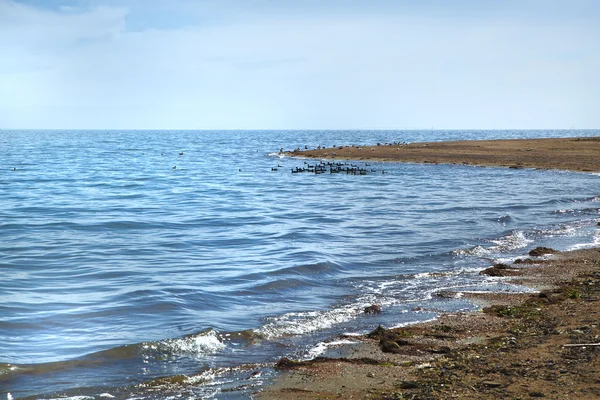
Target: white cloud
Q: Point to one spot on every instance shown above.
(84, 68)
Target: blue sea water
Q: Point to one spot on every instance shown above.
(149, 264)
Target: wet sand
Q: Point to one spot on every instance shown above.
(574, 154)
(542, 345)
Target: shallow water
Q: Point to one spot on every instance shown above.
(117, 268)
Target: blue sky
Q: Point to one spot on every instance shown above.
(329, 64)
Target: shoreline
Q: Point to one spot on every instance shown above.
(518, 346)
(580, 154)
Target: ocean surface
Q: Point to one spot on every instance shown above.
(183, 264)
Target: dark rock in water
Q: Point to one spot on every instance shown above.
(500, 270)
(540, 251)
(373, 309)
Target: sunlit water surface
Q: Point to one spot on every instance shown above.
(122, 260)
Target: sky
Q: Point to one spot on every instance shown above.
(310, 64)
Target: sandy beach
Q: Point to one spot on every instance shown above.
(542, 345)
(573, 154)
(519, 346)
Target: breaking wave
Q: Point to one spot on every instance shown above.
(513, 241)
(193, 345)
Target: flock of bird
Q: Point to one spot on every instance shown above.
(325, 167)
(333, 168)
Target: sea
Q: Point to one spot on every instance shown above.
(183, 264)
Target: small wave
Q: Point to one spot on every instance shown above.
(477, 251)
(561, 230)
(197, 344)
(513, 241)
(578, 211)
(594, 243)
(170, 382)
(280, 285)
(443, 274)
(294, 276)
(310, 269)
(299, 323)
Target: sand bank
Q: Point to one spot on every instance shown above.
(574, 154)
(542, 345)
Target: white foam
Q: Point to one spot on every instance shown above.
(205, 343)
(299, 323)
(513, 241)
(351, 334)
(73, 398)
(594, 243)
(208, 343)
(321, 347)
(445, 274)
(404, 324)
(478, 251)
(203, 378)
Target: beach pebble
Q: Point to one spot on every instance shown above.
(408, 385)
(540, 251)
(493, 384)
